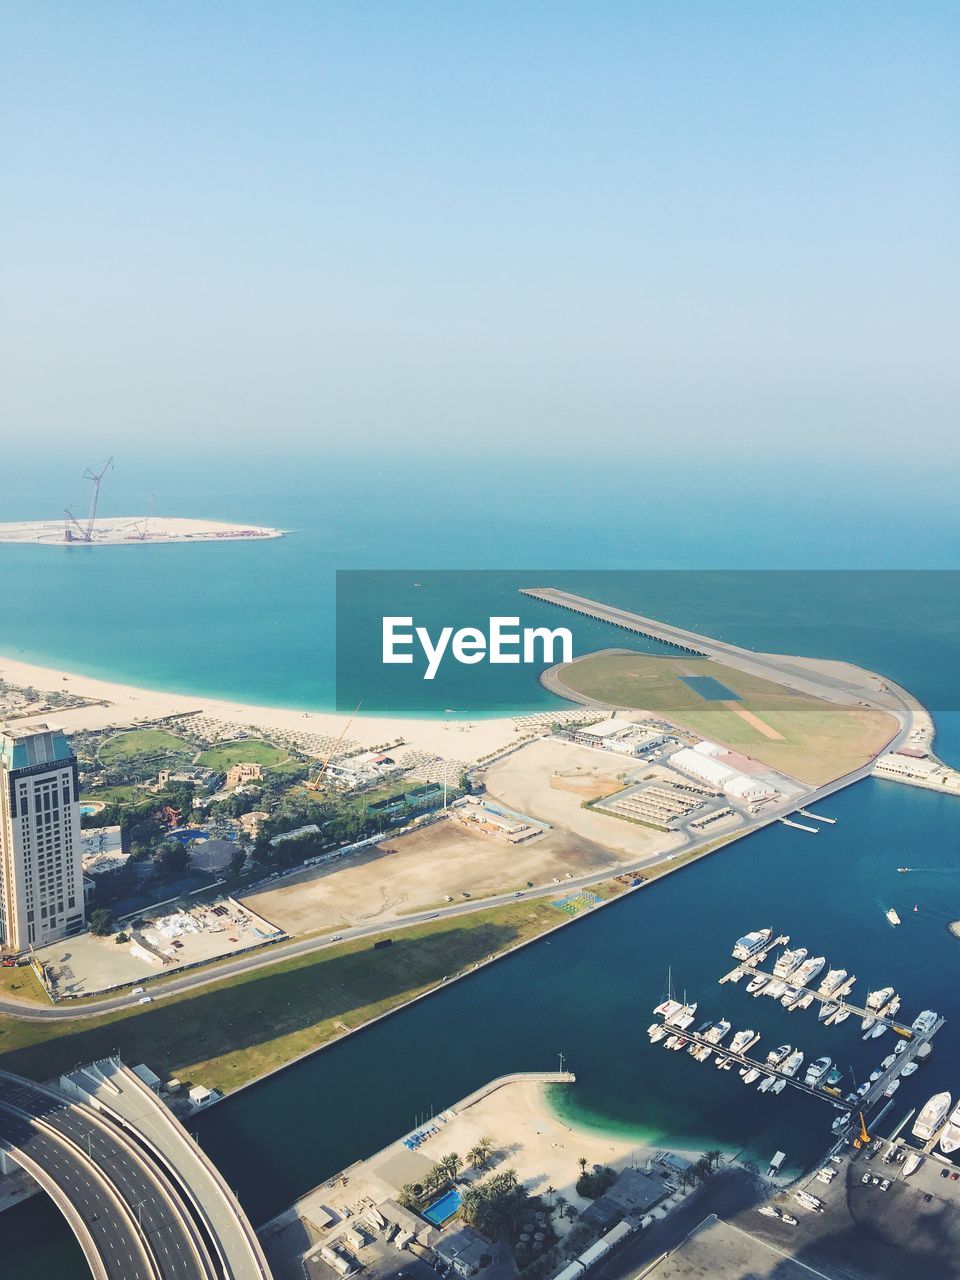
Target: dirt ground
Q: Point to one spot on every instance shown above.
(550, 780)
(445, 858)
(87, 964)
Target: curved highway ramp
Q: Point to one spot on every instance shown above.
(141, 1197)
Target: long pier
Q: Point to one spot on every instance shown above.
(765, 1068)
(899, 1027)
(777, 668)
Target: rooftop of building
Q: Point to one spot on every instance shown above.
(22, 747)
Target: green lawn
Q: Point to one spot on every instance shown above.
(818, 740)
(21, 984)
(230, 1032)
(143, 742)
(123, 794)
(247, 751)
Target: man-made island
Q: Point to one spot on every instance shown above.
(113, 531)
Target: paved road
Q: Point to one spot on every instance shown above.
(892, 699)
(111, 1233)
(306, 946)
(155, 1234)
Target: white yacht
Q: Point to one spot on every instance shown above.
(775, 988)
(828, 1009)
(751, 1075)
(892, 916)
(757, 983)
(656, 1032)
(805, 1001)
(751, 944)
(912, 1163)
(808, 970)
(790, 994)
(924, 1023)
(791, 1064)
(778, 1086)
(717, 1032)
(817, 1071)
(684, 1016)
(776, 1056)
(789, 961)
(742, 1041)
(875, 1002)
(667, 1008)
(834, 979)
(765, 1083)
(932, 1116)
(891, 1088)
(842, 1014)
(950, 1138)
(909, 1069)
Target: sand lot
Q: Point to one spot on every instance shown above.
(550, 780)
(444, 858)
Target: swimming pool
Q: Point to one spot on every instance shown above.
(442, 1210)
(87, 810)
(186, 834)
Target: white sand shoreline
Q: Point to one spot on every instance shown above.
(465, 740)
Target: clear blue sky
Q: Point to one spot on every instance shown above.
(671, 226)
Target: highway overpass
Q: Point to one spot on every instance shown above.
(142, 1199)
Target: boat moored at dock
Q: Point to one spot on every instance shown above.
(932, 1116)
(751, 944)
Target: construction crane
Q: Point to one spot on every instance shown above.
(73, 530)
(314, 784)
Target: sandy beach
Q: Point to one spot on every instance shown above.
(122, 705)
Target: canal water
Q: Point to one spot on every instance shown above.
(588, 991)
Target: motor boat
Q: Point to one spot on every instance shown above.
(935, 1110)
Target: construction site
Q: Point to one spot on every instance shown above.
(93, 530)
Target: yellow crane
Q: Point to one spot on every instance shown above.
(314, 784)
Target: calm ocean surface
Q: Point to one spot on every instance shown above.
(254, 622)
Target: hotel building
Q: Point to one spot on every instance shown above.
(41, 879)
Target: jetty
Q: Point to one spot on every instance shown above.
(830, 686)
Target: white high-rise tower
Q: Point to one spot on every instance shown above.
(41, 876)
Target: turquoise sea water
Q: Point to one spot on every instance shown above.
(195, 618)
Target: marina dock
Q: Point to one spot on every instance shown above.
(911, 1040)
(799, 826)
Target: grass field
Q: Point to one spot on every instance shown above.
(233, 1031)
(816, 741)
(122, 794)
(247, 751)
(21, 983)
(143, 742)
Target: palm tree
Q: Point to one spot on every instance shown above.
(560, 1204)
(451, 1164)
(714, 1158)
(550, 1192)
(582, 1162)
(476, 1156)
